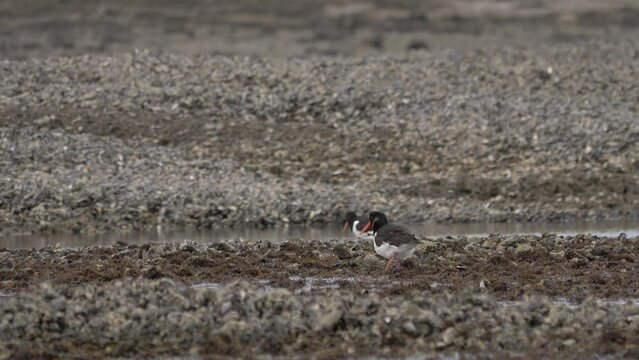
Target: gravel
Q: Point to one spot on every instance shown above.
(431, 111)
(85, 183)
(153, 318)
(96, 143)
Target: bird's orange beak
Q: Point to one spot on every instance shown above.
(345, 227)
(366, 227)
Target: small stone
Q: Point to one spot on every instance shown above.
(447, 338)
(569, 342)
(224, 247)
(370, 261)
(484, 284)
(329, 320)
(342, 252)
(410, 328)
(524, 248)
(152, 272)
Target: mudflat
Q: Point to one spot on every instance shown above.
(507, 266)
(328, 298)
(133, 115)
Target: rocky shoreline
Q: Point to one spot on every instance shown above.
(499, 296)
(120, 116)
(507, 266)
(133, 141)
(163, 318)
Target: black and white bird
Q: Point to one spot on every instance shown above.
(391, 241)
(355, 224)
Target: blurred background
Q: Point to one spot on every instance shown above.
(302, 27)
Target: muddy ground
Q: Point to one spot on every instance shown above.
(328, 298)
(509, 267)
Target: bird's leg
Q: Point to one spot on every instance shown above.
(398, 264)
(390, 261)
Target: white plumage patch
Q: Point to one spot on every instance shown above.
(387, 250)
(367, 235)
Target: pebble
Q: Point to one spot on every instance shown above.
(149, 312)
(116, 154)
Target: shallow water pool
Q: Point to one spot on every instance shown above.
(276, 234)
(318, 284)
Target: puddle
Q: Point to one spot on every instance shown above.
(212, 286)
(4, 296)
(319, 283)
(634, 302)
(451, 356)
(572, 305)
(277, 234)
(437, 285)
(312, 284)
(215, 286)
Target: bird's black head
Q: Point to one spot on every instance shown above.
(377, 219)
(349, 220)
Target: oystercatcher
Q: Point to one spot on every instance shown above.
(391, 241)
(355, 224)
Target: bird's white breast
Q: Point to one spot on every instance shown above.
(367, 235)
(385, 250)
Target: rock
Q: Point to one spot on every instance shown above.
(447, 338)
(410, 328)
(224, 247)
(342, 252)
(524, 248)
(426, 246)
(370, 261)
(327, 321)
(151, 272)
(484, 284)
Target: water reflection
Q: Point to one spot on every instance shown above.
(600, 228)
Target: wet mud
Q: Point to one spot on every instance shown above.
(507, 267)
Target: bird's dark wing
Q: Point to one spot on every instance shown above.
(395, 235)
